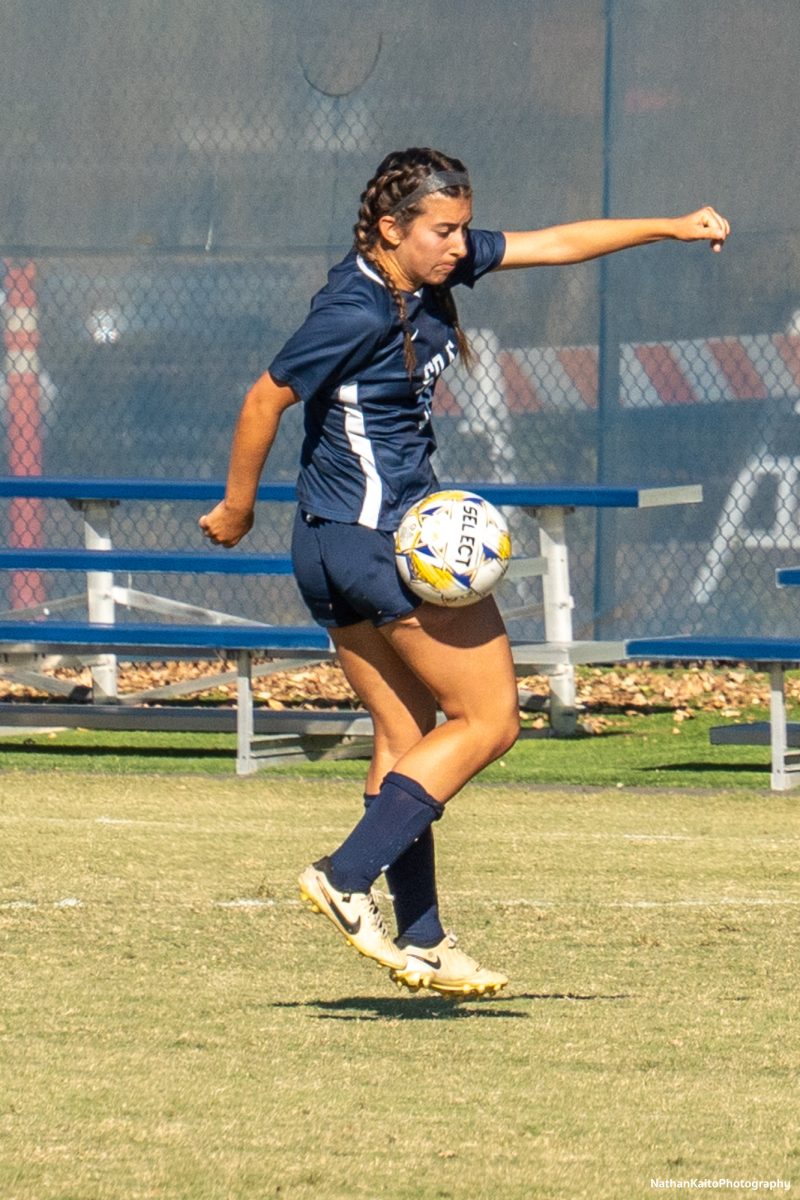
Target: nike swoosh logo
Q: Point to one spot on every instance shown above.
(351, 927)
(431, 962)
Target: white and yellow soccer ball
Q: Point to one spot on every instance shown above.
(452, 548)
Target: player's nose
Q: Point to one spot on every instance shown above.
(459, 242)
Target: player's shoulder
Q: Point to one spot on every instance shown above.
(355, 291)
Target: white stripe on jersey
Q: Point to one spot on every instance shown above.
(362, 448)
(369, 271)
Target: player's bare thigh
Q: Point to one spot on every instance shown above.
(403, 709)
(464, 658)
(462, 655)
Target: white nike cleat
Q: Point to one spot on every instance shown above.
(446, 969)
(355, 914)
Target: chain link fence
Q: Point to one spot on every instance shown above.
(177, 180)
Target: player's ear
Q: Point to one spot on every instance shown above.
(390, 229)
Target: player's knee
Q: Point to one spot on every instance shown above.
(508, 732)
(394, 747)
(500, 733)
(395, 739)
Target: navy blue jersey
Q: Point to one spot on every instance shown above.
(368, 433)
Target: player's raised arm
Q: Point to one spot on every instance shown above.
(584, 240)
(255, 432)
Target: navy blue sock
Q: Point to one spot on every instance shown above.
(397, 816)
(412, 882)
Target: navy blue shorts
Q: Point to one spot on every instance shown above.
(347, 573)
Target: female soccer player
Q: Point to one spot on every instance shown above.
(364, 364)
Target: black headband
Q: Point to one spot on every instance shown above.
(435, 182)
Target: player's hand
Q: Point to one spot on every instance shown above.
(225, 526)
(704, 225)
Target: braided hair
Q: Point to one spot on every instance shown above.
(401, 173)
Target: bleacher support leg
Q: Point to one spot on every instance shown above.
(780, 780)
(245, 759)
(100, 594)
(558, 605)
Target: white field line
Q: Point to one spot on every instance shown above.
(254, 902)
(336, 830)
(723, 902)
(261, 827)
(246, 902)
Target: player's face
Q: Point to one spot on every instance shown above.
(433, 243)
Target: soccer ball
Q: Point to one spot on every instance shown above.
(452, 548)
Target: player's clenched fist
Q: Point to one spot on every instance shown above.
(225, 526)
(704, 225)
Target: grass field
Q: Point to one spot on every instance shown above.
(176, 1026)
(630, 751)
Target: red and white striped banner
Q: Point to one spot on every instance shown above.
(652, 374)
(23, 421)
